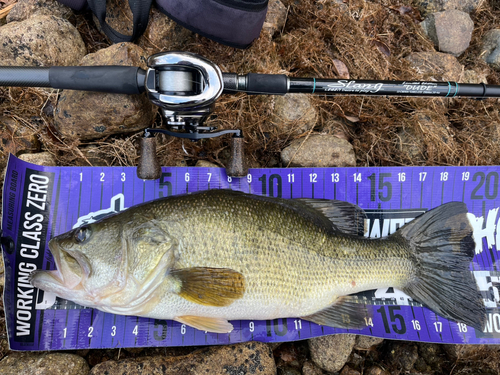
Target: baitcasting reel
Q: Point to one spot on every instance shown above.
(185, 87)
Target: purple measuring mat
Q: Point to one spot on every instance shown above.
(41, 202)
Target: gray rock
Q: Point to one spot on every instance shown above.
(436, 66)
(367, 342)
(451, 30)
(402, 355)
(43, 364)
(339, 5)
(246, 358)
(40, 41)
(331, 352)
(472, 76)
(427, 7)
(319, 150)
(275, 18)
(375, 370)
(181, 163)
(16, 138)
(25, 9)
(294, 112)
(40, 158)
(434, 126)
(206, 164)
(310, 368)
(411, 144)
(92, 115)
(355, 360)
(490, 49)
(347, 370)
(163, 34)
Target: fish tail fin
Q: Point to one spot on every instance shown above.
(442, 248)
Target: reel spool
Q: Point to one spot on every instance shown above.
(185, 86)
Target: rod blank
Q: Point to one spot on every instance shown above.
(278, 84)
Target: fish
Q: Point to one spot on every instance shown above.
(206, 258)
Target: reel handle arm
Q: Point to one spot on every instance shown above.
(110, 78)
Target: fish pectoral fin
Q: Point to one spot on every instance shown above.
(346, 312)
(217, 325)
(210, 286)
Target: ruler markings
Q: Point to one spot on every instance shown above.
(317, 189)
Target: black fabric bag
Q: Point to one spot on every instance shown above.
(236, 23)
(140, 10)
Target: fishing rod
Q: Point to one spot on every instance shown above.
(185, 86)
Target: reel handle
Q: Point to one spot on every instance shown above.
(148, 167)
(237, 166)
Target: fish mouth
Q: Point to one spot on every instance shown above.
(72, 266)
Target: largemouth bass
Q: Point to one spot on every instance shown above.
(206, 258)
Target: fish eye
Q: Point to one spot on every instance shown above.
(82, 234)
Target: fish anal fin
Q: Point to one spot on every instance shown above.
(210, 286)
(217, 325)
(346, 313)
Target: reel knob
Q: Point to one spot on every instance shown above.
(148, 167)
(237, 166)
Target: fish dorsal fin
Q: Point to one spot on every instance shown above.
(342, 216)
(217, 325)
(330, 215)
(210, 286)
(346, 313)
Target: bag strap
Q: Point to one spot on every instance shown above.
(140, 10)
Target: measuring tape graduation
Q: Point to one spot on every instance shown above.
(41, 202)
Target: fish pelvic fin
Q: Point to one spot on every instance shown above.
(442, 247)
(210, 286)
(347, 312)
(217, 325)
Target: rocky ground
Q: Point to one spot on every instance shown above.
(444, 40)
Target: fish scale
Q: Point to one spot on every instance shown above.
(286, 260)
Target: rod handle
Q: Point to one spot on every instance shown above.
(24, 76)
(237, 166)
(110, 78)
(148, 167)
